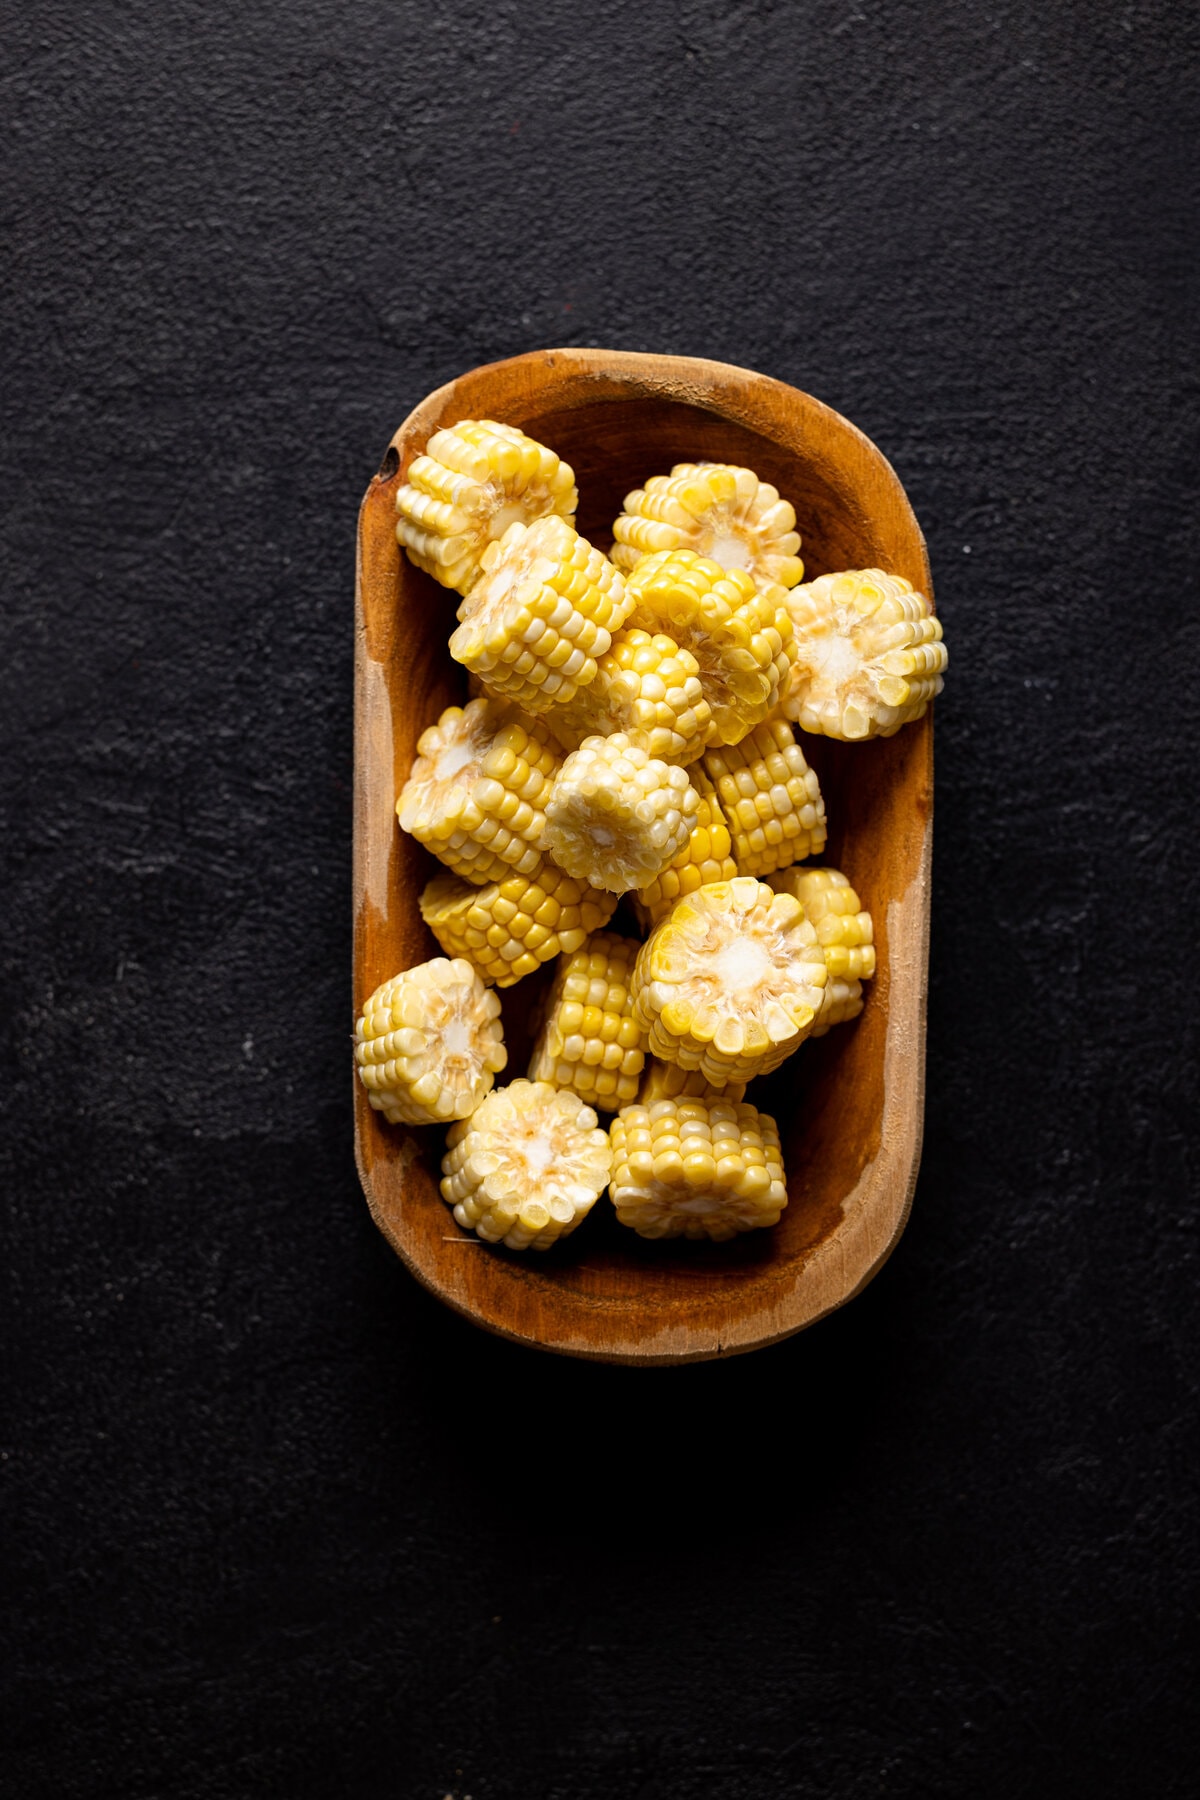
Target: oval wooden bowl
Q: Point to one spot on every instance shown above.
(850, 1104)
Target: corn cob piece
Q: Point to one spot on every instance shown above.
(543, 609)
(509, 928)
(740, 635)
(845, 933)
(843, 1001)
(526, 1167)
(589, 1041)
(478, 790)
(730, 982)
(646, 686)
(429, 1043)
(667, 1081)
(617, 816)
(476, 479)
(719, 511)
(844, 929)
(706, 857)
(869, 655)
(771, 798)
(697, 1169)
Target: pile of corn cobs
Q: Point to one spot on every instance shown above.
(632, 734)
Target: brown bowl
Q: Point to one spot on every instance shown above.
(849, 1105)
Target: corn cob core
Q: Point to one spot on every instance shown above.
(509, 928)
(740, 635)
(719, 511)
(696, 1168)
(526, 1167)
(646, 686)
(476, 479)
(543, 609)
(667, 1081)
(869, 656)
(771, 798)
(616, 815)
(706, 857)
(478, 789)
(730, 982)
(429, 1043)
(589, 1041)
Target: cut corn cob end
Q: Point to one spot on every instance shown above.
(739, 634)
(645, 685)
(697, 1169)
(719, 511)
(478, 789)
(590, 1042)
(476, 479)
(730, 982)
(527, 1167)
(667, 1081)
(509, 928)
(617, 816)
(543, 609)
(869, 655)
(429, 1043)
(770, 797)
(706, 857)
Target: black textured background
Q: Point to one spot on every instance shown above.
(280, 1525)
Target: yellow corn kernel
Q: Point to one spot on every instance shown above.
(526, 1167)
(476, 479)
(589, 1041)
(509, 928)
(707, 856)
(869, 655)
(543, 609)
(667, 1081)
(429, 1043)
(770, 797)
(740, 635)
(697, 1169)
(719, 511)
(478, 790)
(730, 982)
(617, 816)
(646, 686)
(844, 929)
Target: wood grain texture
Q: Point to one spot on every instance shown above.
(849, 1106)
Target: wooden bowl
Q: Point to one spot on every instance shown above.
(849, 1105)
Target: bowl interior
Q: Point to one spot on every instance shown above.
(604, 1291)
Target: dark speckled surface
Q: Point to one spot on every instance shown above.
(278, 1524)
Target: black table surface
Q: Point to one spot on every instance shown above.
(277, 1523)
